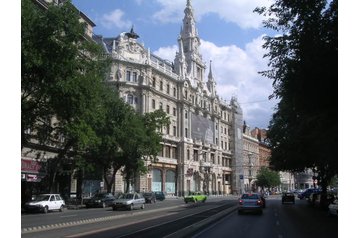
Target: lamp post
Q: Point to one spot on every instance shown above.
(250, 165)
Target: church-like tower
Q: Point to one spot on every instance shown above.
(188, 61)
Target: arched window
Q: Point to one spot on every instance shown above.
(157, 180)
(170, 181)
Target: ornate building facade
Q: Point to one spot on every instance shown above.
(202, 148)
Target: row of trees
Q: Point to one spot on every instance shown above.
(303, 61)
(66, 106)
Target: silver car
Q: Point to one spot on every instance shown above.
(250, 202)
(129, 201)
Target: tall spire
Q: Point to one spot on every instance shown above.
(188, 3)
(210, 76)
(211, 84)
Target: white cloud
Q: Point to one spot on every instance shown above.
(239, 12)
(235, 71)
(115, 19)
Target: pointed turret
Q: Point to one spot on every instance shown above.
(132, 34)
(188, 45)
(211, 82)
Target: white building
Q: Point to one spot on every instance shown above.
(202, 147)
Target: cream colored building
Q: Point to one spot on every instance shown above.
(202, 147)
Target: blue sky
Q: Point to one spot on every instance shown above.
(230, 33)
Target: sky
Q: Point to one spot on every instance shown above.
(231, 37)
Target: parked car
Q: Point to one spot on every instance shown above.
(195, 197)
(45, 202)
(250, 202)
(149, 197)
(306, 194)
(100, 200)
(129, 201)
(288, 197)
(333, 208)
(159, 196)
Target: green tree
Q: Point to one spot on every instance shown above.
(62, 73)
(303, 61)
(267, 178)
(142, 143)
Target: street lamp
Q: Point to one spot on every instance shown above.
(251, 165)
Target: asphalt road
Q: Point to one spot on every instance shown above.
(277, 221)
(174, 218)
(103, 222)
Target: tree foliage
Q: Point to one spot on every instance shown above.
(267, 178)
(303, 61)
(62, 73)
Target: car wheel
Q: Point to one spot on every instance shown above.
(114, 208)
(62, 208)
(131, 207)
(45, 209)
(239, 212)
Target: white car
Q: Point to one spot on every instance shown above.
(45, 203)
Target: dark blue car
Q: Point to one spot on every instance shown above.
(306, 194)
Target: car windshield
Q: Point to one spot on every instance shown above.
(127, 196)
(42, 198)
(249, 196)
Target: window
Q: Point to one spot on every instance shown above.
(168, 109)
(196, 155)
(188, 154)
(130, 99)
(174, 111)
(186, 132)
(128, 75)
(134, 79)
(168, 88)
(168, 128)
(161, 86)
(174, 131)
(161, 106)
(153, 103)
(174, 92)
(186, 94)
(153, 82)
(186, 114)
(167, 151)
